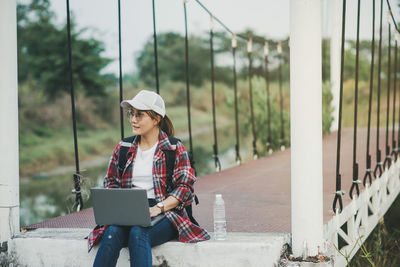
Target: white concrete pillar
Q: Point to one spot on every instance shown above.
(336, 30)
(9, 174)
(306, 125)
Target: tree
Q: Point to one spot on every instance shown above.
(43, 54)
(171, 60)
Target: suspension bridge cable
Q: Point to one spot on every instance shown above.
(397, 149)
(355, 164)
(191, 154)
(371, 85)
(268, 96)
(216, 159)
(76, 176)
(379, 163)
(259, 39)
(393, 19)
(155, 49)
(212, 15)
(250, 75)
(339, 192)
(387, 162)
(394, 147)
(282, 140)
(254, 37)
(237, 147)
(120, 71)
(398, 128)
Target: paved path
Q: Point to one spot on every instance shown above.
(257, 193)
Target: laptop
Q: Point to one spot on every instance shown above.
(122, 206)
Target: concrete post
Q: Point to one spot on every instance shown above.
(9, 174)
(306, 126)
(336, 31)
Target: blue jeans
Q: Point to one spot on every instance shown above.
(138, 239)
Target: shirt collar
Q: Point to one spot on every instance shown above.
(163, 143)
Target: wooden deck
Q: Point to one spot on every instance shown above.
(257, 193)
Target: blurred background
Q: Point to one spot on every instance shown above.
(46, 138)
(45, 120)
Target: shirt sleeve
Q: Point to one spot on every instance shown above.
(112, 179)
(183, 178)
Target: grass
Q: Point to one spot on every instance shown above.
(383, 244)
(363, 101)
(56, 148)
(46, 137)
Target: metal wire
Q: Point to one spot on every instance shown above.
(268, 96)
(76, 176)
(391, 14)
(212, 15)
(338, 195)
(253, 126)
(155, 49)
(215, 146)
(371, 86)
(187, 66)
(378, 168)
(388, 159)
(237, 146)
(355, 164)
(255, 38)
(282, 140)
(398, 128)
(394, 147)
(121, 112)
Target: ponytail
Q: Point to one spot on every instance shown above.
(165, 123)
(166, 126)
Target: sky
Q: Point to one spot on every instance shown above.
(268, 18)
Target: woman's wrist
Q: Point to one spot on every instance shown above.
(167, 204)
(161, 206)
(154, 211)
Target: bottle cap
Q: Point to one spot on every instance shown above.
(218, 196)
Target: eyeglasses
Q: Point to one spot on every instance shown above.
(139, 114)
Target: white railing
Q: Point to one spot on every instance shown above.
(361, 216)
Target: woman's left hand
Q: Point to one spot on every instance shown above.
(154, 211)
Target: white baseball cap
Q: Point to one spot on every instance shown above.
(146, 100)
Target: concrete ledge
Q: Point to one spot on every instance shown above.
(67, 247)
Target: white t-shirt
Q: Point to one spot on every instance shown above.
(143, 170)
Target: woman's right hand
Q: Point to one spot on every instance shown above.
(154, 211)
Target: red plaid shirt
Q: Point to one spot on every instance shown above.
(183, 180)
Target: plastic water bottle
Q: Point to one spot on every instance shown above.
(219, 218)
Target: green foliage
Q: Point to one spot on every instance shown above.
(382, 246)
(364, 60)
(350, 59)
(327, 109)
(43, 54)
(261, 113)
(171, 60)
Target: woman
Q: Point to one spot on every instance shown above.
(146, 168)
